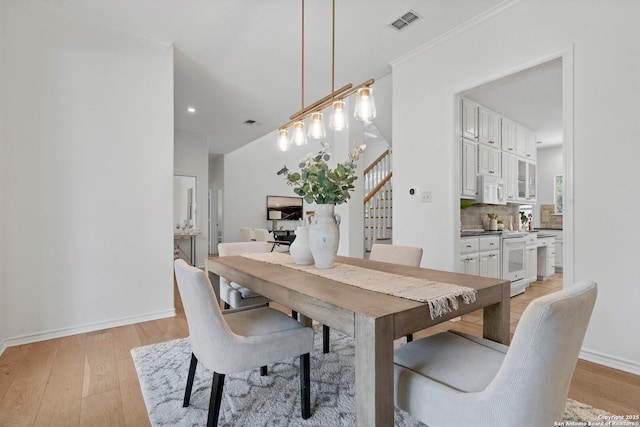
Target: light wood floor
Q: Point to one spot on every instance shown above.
(89, 379)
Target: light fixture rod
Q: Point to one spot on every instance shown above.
(328, 100)
(333, 46)
(302, 79)
(320, 101)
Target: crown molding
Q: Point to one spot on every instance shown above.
(488, 14)
(92, 18)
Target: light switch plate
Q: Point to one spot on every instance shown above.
(425, 197)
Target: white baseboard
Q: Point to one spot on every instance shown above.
(611, 362)
(90, 327)
(3, 346)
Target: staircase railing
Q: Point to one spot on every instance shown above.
(378, 206)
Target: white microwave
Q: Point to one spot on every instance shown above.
(491, 190)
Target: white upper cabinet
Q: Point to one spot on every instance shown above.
(509, 136)
(468, 168)
(525, 142)
(469, 119)
(510, 175)
(494, 145)
(489, 161)
(489, 127)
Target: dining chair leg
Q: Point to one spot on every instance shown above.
(305, 385)
(216, 399)
(192, 373)
(325, 339)
(263, 371)
(409, 337)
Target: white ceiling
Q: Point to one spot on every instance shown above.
(241, 59)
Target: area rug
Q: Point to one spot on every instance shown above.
(274, 400)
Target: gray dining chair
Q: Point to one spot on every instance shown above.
(235, 341)
(395, 254)
(455, 379)
(233, 294)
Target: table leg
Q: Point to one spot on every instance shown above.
(496, 318)
(193, 251)
(374, 371)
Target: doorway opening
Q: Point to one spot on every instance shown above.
(539, 97)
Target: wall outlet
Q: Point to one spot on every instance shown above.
(425, 197)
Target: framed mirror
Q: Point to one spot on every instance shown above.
(184, 202)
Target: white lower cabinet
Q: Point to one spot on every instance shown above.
(546, 257)
(469, 256)
(490, 264)
(469, 264)
(480, 256)
(531, 258)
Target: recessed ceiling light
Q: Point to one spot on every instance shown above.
(191, 110)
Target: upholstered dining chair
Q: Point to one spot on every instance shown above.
(247, 234)
(237, 340)
(454, 379)
(233, 294)
(262, 235)
(396, 254)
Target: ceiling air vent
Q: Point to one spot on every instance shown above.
(404, 21)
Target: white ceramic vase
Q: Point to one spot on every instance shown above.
(324, 235)
(299, 249)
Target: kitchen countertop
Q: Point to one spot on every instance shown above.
(473, 233)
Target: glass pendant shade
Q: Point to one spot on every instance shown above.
(299, 137)
(365, 106)
(316, 127)
(339, 119)
(283, 140)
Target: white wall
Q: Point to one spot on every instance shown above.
(250, 175)
(4, 166)
(605, 69)
(550, 163)
(191, 158)
(88, 158)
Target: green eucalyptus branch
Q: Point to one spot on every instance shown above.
(318, 183)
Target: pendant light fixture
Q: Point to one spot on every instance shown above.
(365, 106)
(365, 109)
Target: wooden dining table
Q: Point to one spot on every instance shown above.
(374, 319)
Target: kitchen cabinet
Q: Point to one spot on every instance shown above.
(489, 127)
(480, 256)
(489, 161)
(469, 121)
(525, 142)
(496, 146)
(558, 242)
(510, 175)
(526, 179)
(468, 168)
(509, 135)
(469, 256)
(489, 256)
(531, 258)
(546, 257)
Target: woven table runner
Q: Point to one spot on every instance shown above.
(441, 297)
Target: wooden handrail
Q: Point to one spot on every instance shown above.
(376, 161)
(378, 187)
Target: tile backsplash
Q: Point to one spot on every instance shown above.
(548, 219)
(475, 217)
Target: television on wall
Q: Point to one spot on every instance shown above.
(284, 207)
